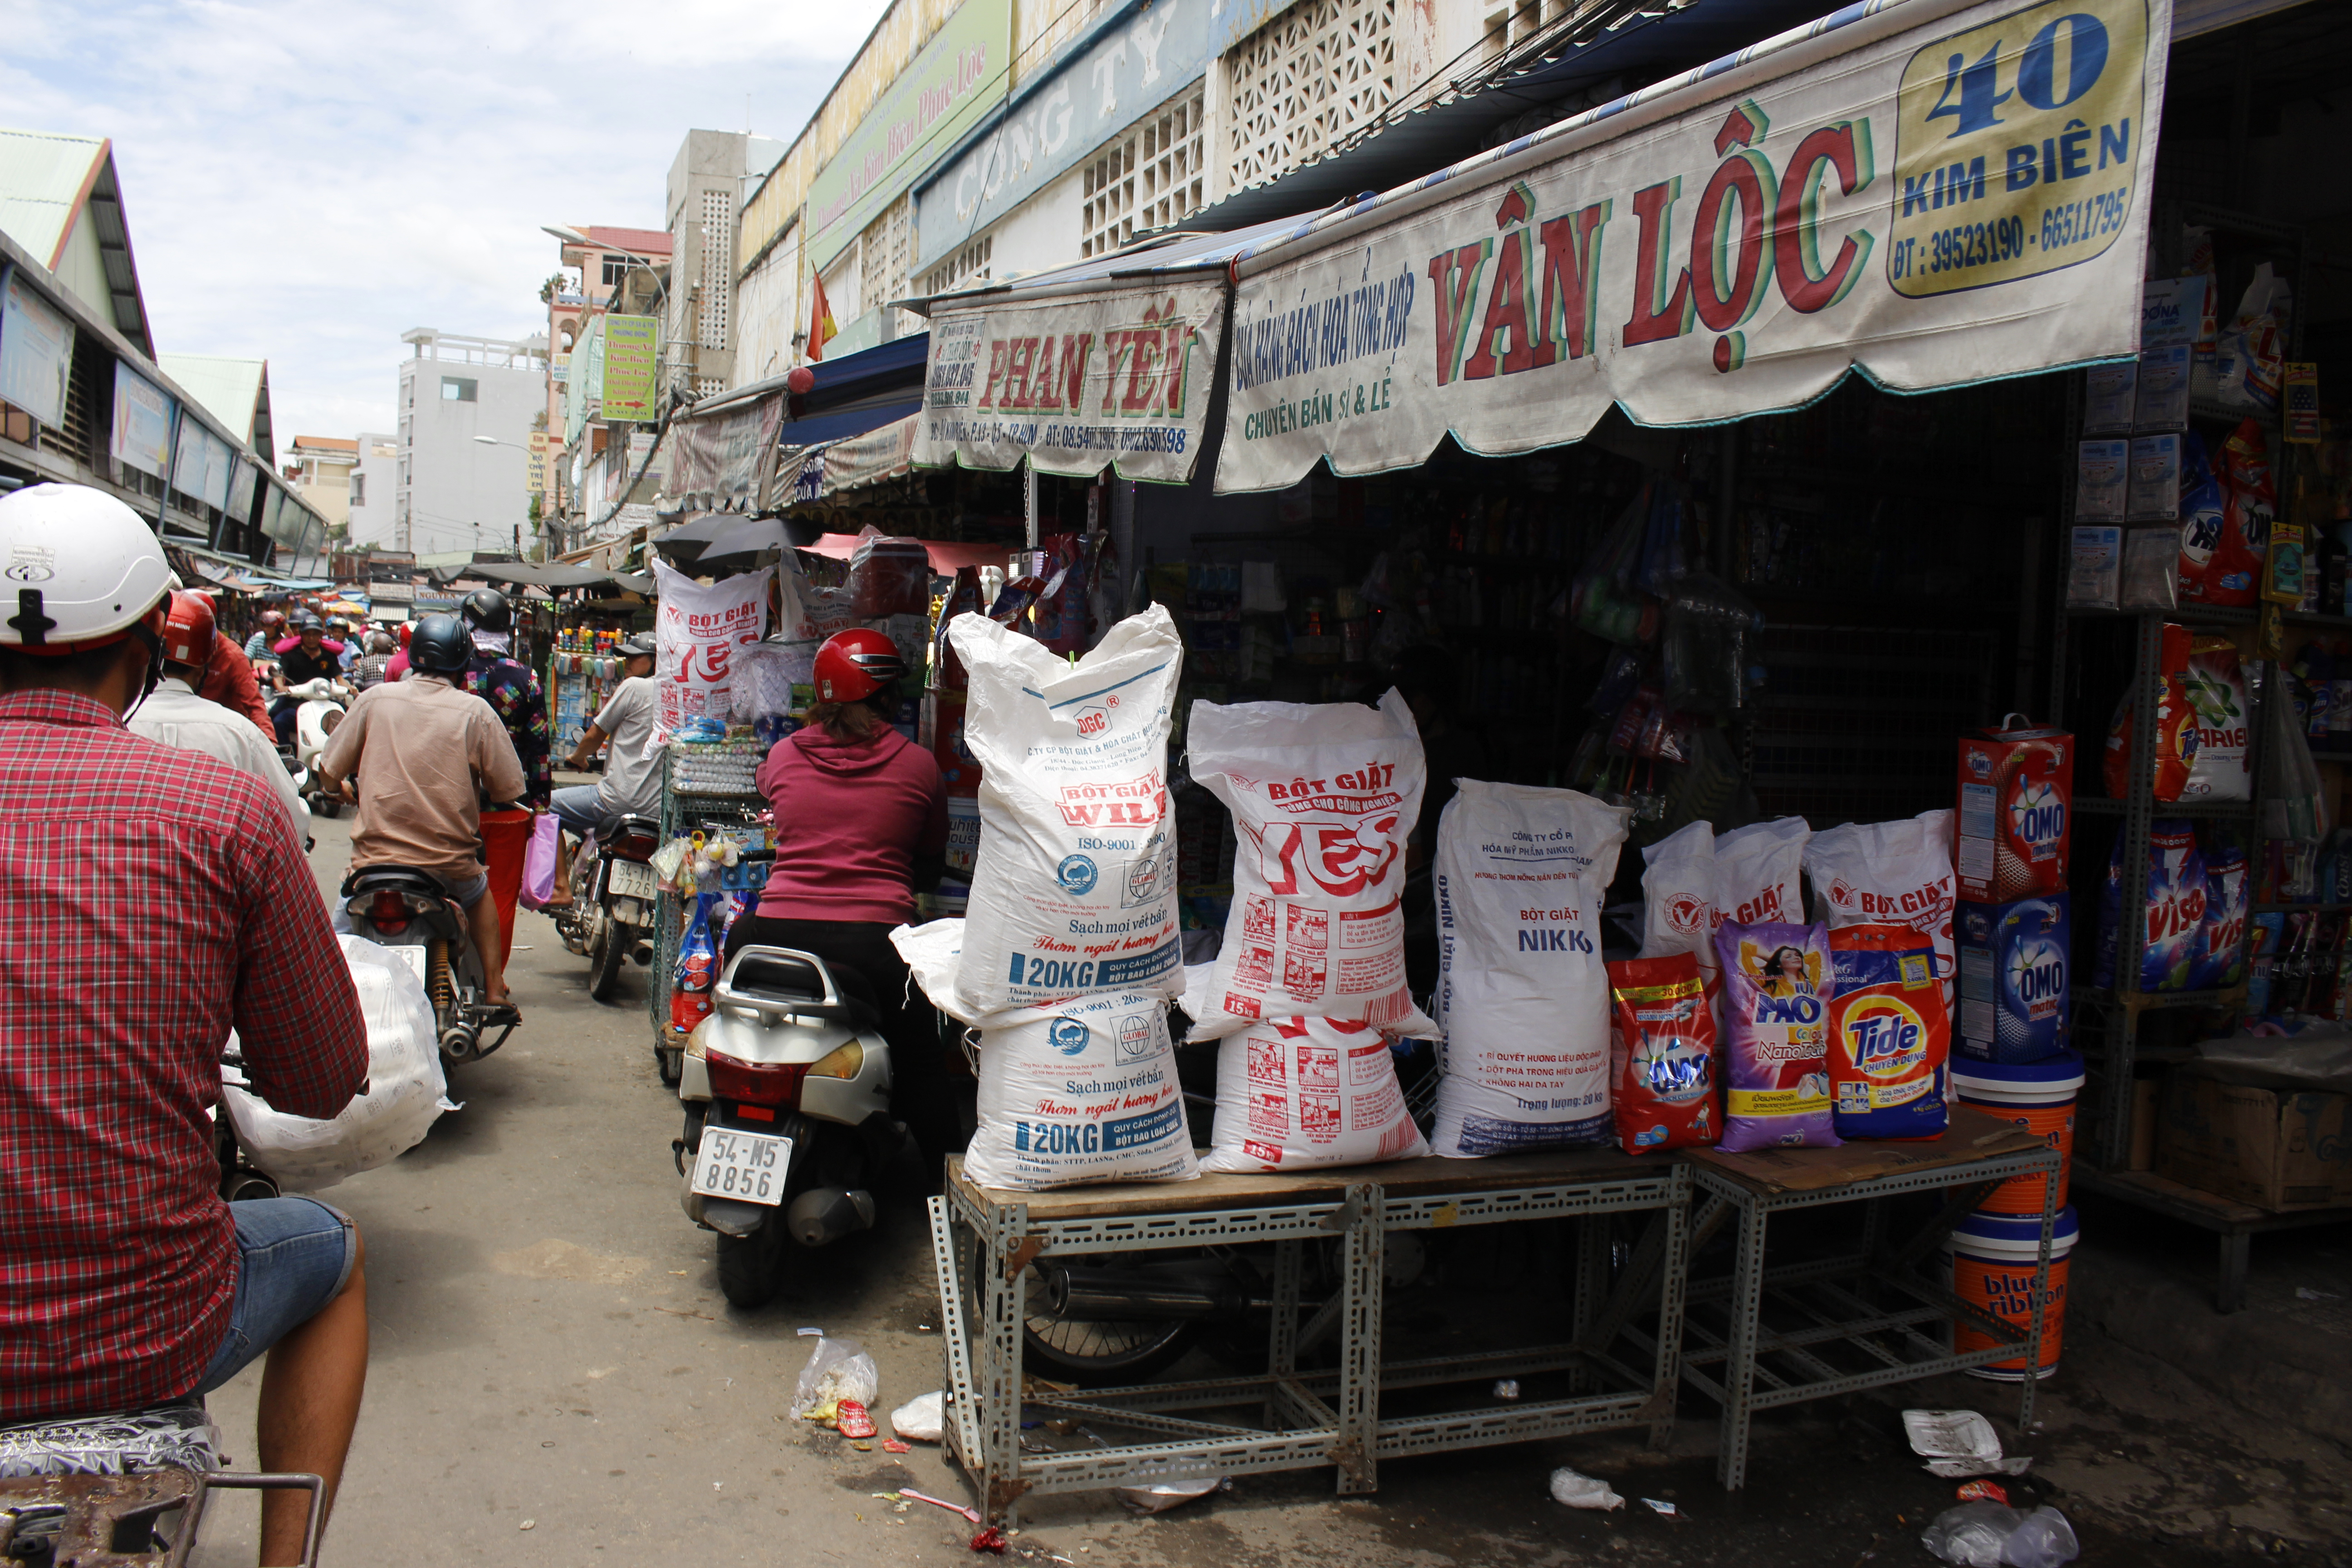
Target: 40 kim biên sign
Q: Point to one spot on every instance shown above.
(1948, 203)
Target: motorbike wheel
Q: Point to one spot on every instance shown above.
(608, 948)
(670, 1062)
(329, 807)
(1101, 1354)
(751, 1268)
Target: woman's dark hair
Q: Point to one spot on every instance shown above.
(849, 722)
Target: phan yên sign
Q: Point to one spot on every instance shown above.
(1956, 202)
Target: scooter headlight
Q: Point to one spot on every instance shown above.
(842, 1061)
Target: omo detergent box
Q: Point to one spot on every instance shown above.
(2015, 963)
(2016, 813)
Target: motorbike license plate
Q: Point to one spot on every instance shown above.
(631, 879)
(746, 1166)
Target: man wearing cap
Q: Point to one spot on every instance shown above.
(169, 903)
(632, 781)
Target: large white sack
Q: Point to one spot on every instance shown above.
(1756, 872)
(932, 952)
(1694, 881)
(1075, 888)
(404, 1095)
(1085, 1091)
(1523, 995)
(1297, 1093)
(1323, 796)
(1895, 872)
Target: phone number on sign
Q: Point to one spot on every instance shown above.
(2074, 222)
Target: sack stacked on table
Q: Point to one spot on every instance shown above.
(1523, 996)
(1309, 989)
(1071, 951)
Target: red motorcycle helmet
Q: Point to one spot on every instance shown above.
(406, 631)
(188, 630)
(272, 620)
(854, 664)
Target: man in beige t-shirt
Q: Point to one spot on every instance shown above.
(425, 754)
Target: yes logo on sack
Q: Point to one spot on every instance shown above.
(1069, 1036)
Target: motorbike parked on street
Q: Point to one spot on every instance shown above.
(322, 703)
(611, 916)
(401, 906)
(787, 1127)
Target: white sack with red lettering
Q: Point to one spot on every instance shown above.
(1756, 871)
(697, 631)
(1898, 873)
(1694, 881)
(1522, 993)
(1074, 893)
(1323, 796)
(1296, 1093)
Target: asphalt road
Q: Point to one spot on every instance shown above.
(556, 1378)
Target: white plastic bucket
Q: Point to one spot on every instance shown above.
(1993, 1257)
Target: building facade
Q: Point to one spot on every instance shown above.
(321, 468)
(466, 405)
(376, 479)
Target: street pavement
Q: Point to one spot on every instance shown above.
(556, 1378)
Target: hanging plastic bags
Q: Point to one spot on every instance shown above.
(539, 860)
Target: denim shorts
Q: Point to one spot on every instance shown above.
(294, 1256)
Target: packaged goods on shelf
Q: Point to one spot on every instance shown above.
(1890, 1033)
(2176, 911)
(1776, 992)
(2094, 566)
(2177, 732)
(1662, 1049)
(2016, 963)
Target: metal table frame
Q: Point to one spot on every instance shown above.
(1876, 1301)
(984, 1241)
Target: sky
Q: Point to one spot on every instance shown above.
(303, 182)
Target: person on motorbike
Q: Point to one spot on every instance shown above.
(177, 715)
(632, 781)
(269, 626)
(511, 688)
(426, 756)
(307, 657)
(372, 668)
(125, 1280)
(861, 826)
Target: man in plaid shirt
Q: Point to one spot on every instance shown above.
(162, 899)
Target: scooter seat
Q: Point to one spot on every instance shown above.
(364, 878)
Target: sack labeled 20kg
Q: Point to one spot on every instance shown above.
(1075, 888)
(1322, 797)
(1085, 1091)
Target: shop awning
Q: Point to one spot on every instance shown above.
(1935, 192)
(557, 575)
(946, 555)
(719, 459)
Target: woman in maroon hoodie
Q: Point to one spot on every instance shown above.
(861, 826)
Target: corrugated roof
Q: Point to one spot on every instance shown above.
(643, 241)
(43, 176)
(325, 442)
(229, 389)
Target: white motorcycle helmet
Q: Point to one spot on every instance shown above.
(78, 568)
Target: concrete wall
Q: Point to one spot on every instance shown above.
(376, 478)
(449, 482)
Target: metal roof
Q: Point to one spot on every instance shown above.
(1167, 252)
(230, 390)
(46, 180)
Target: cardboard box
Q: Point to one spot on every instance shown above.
(2016, 813)
(2016, 962)
(2277, 1149)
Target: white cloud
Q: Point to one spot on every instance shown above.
(306, 182)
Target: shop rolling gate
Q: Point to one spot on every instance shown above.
(984, 1241)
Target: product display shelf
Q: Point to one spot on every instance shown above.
(986, 1243)
(2233, 1223)
(682, 811)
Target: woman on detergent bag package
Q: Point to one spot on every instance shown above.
(861, 826)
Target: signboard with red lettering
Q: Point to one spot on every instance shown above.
(1932, 193)
(1117, 379)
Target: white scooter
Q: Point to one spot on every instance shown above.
(323, 702)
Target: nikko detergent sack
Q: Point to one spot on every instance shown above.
(1082, 1091)
(1662, 1055)
(1521, 995)
(2176, 911)
(1776, 1027)
(1322, 797)
(1890, 1036)
(1075, 888)
(1297, 1093)
(1898, 873)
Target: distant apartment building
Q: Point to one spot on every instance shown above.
(704, 200)
(321, 468)
(467, 407)
(376, 479)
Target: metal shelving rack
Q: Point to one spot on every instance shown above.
(682, 811)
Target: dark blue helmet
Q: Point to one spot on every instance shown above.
(440, 645)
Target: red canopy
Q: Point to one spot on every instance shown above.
(946, 556)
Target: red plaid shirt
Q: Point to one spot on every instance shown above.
(150, 899)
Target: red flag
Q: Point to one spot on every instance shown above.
(822, 330)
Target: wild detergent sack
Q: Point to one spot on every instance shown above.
(1897, 872)
(1082, 1090)
(1322, 798)
(1297, 1093)
(1074, 889)
(1890, 1033)
(1776, 1006)
(1662, 1055)
(1522, 995)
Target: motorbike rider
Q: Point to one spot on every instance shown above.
(632, 781)
(269, 626)
(512, 690)
(371, 668)
(861, 817)
(125, 1281)
(177, 715)
(307, 657)
(426, 755)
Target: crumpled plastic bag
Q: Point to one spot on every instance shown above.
(922, 1419)
(1158, 1496)
(1988, 1535)
(836, 1370)
(1583, 1491)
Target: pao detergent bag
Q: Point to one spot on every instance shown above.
(1322, 797)
(1523, 995)
(1775, 1043)
(1075, 888)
